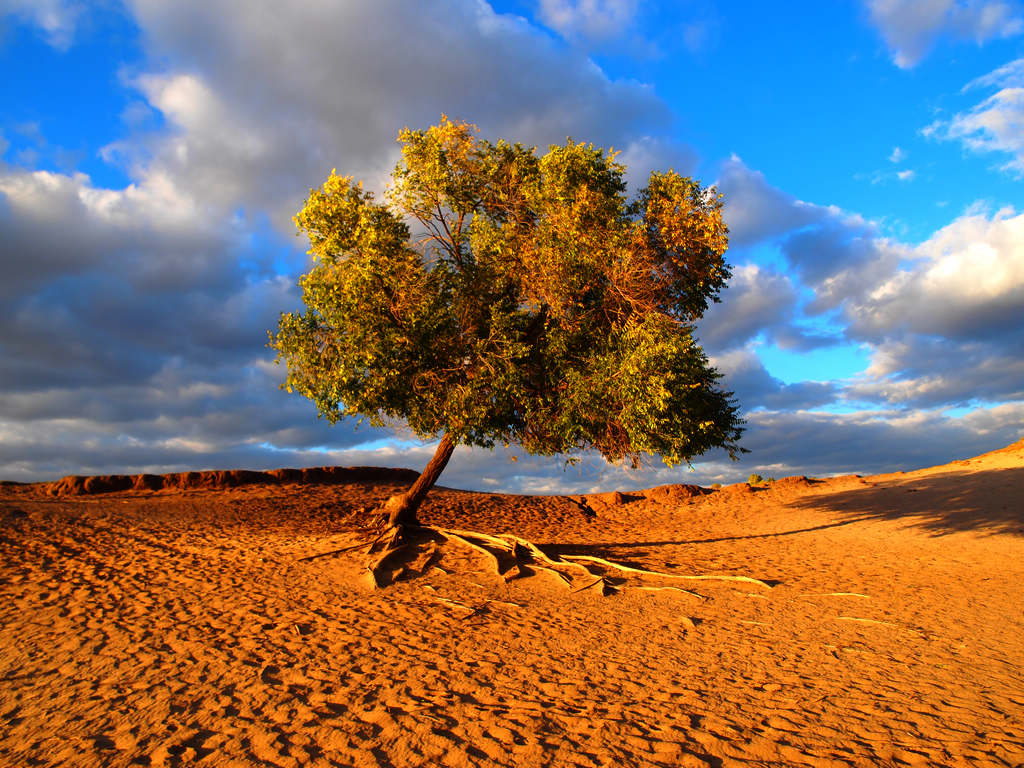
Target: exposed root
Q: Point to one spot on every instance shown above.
(515, 558)
(377, 566)
(401, 552)
(662, 574)
(499, 567)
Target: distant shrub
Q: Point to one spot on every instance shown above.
(716, 486)
(755, 479)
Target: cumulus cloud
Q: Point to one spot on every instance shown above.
(755, 210)
(132, 332)
(786, 439)
(46, 449)
(842, 258)
(836, 247)
(966, 282)
(940, 319)
(745, 375)
(756, 300)
(106, 285)
(782, 442)
(996, 124)
(925, 372)
(911, 28)
(61, 225)
(830, 250)
(946, 326)
(256, 119)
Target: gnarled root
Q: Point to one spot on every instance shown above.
(685, 577)
(400, 552)
(404, 551)
(513, 557)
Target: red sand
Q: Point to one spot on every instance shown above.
(175, 624)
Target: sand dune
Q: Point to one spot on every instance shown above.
(175, 622)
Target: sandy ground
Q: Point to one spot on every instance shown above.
(181, 627)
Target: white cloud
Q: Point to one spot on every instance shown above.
(897, 155)
(1006, 75)
(56, 18)
(59, 225)
(945, 327)
(594, 20)
(911, 28)
(966, 281)
(941, 319)
(995, 124)
(840, 257)
(924, 372)
(884, 177)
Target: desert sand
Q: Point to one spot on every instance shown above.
(178, 621)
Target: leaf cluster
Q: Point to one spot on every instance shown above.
(504, 296)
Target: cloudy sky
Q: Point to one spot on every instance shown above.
(152, 154)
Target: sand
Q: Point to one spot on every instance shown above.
(178, 625)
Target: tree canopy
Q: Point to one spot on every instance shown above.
(501, 296)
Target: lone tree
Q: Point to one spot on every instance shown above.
(501, 296)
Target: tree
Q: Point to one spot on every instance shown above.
(501, 296)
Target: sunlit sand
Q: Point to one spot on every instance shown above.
(184, 621)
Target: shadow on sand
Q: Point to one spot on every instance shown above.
(607, 548)
(986, 501)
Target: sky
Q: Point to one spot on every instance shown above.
(152, 154)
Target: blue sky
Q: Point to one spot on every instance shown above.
(871, 155)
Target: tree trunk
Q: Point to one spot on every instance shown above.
(402, 509)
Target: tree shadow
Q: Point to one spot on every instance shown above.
(986, 501)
